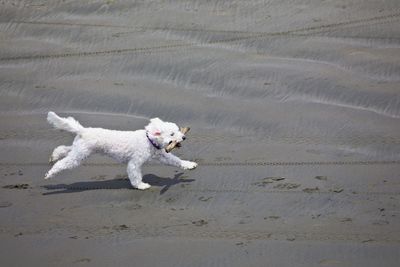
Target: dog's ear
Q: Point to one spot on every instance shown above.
(155, 126)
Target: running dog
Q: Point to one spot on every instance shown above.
(131, 147)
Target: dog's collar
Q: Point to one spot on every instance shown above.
(152, 142)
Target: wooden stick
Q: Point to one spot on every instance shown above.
(174, 144)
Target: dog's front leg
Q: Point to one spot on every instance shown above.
(171, 159)
(135, 176)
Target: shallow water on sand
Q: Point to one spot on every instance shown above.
(296, 72)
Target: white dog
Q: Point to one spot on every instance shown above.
(131, 147)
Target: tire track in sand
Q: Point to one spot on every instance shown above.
(165, 48)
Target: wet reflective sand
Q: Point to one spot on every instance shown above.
(294, 109)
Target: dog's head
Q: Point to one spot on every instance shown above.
(165, 134)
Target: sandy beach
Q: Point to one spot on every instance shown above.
(294, 109)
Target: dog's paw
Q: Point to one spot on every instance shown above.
(47, 176)
(188, 165)
(143, 186)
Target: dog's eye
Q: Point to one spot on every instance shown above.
(172, 134)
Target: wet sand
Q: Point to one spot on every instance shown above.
(294, 112)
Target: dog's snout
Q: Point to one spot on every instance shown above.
(170, 142)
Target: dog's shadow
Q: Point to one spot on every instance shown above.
(153, 180)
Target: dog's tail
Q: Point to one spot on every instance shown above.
(67, 124)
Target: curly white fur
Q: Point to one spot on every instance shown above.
(131, 147)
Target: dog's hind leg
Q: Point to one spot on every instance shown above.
(59, 153)
(135, 176)
(78, 153)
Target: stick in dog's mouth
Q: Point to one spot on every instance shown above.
(174, 144)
